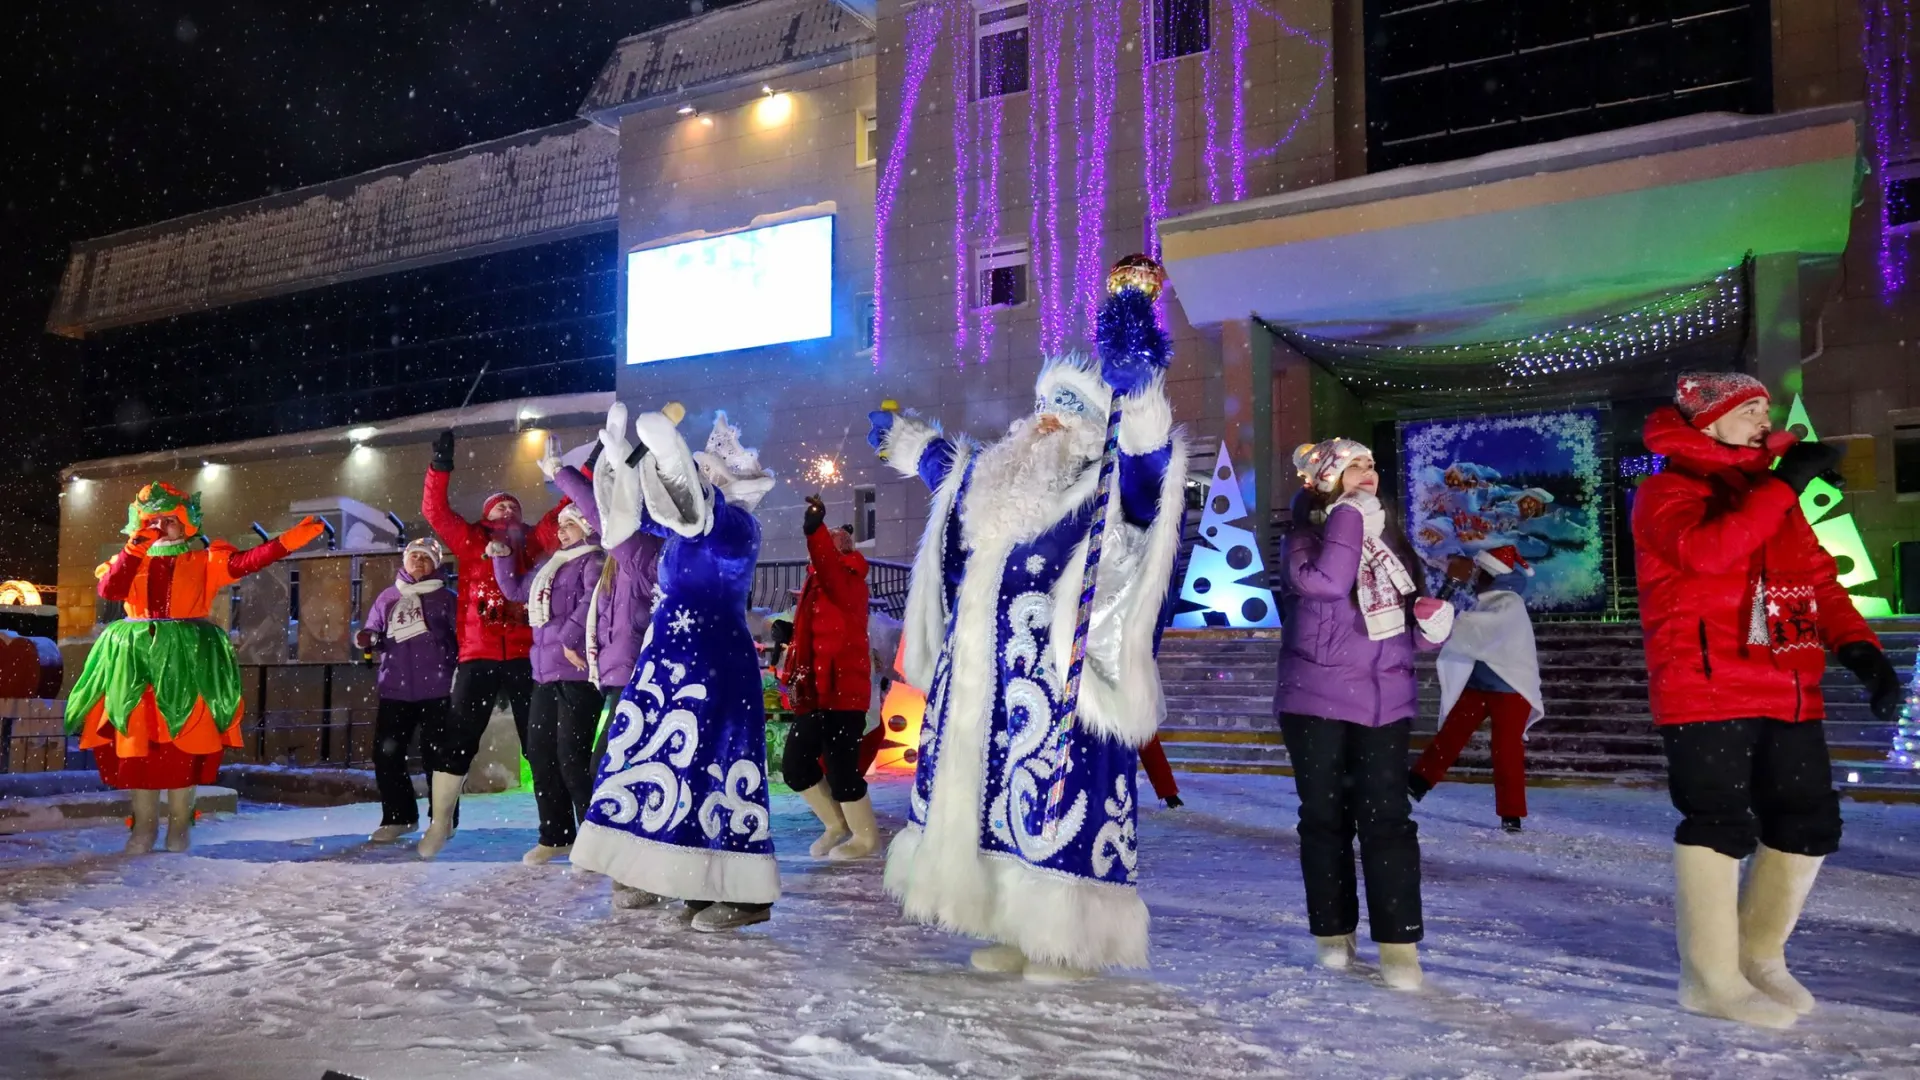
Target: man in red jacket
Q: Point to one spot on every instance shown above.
(494, 635)
(829, 675)
(1740, 605)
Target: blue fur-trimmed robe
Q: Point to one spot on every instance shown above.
(989, 627)
(680, 804)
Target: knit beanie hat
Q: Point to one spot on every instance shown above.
(429, 547)
(495, 499)
(1705, 396)
(1320, 464)
(573, 513)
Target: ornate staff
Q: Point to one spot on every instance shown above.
(1133, 349)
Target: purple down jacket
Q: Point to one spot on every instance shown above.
(567, 626)
(421, 667)
(626, 607)
(1328, 666)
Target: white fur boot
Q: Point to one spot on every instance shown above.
(1707, 923)
(1776, 890)
(1400, 966)
(180, 818)
(146, 821)
(820, 800)
(866, 832)
(444, 798)
(999, 960)
(1334, 953)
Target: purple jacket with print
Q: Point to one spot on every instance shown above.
(1328, 666)
(421, 667)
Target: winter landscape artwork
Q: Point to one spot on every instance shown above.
(1530, 480)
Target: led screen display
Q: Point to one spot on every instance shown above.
(717, 294)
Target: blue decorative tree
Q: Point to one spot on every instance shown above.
(1225, 574)
(1906, 739)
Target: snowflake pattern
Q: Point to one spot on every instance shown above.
(1036, 565)
(682, 622)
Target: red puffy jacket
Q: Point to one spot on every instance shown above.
(1707, 532)
(830, 666)
(490, 627)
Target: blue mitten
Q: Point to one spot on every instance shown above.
(882, 422)
(1133, 348)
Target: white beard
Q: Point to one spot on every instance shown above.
(1020, 481)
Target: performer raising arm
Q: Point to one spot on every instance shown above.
(1021, 825)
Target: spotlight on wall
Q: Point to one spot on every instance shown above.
(362, 434)
(774, 108)
(706, 121)
(686, 110)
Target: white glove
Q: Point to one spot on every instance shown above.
(616, 485)
(1439, 624)
(497, 549)
(549, 467)
(614, 435)
(1371, 512)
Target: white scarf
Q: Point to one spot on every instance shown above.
(407, 621)
(1383, 578)
(593, 634)
(540, 596)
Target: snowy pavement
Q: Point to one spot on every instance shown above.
(282, 947)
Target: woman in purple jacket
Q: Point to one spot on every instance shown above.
(411, 628)
(566, 703)
(622, 604)
(1346, 701)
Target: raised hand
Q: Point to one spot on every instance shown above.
(443, 452)
(882, 426)
(613, 437)
(816, 515)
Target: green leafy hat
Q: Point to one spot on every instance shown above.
(161, 499)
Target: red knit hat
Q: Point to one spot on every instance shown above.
(1705, 396)
(495, 499)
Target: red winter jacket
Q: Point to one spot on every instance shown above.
(829, 665)
(490, 627)
(1706, 532)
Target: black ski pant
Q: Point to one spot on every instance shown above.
(832, 734)
(1352, 782)
(477, 685)
(393, 729)
(560, 732)
(1740, 783)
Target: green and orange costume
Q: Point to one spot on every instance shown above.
(158, 700)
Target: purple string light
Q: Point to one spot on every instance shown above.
(990, 209)
(962, 83)
(1241, 19)
(1887, 52)
(1036, 128)
(1052, 333)
(923, 35)
(1319, 87)
(1089, 269)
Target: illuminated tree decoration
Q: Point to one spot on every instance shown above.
(1906, 737)
(1839, 535)
(1225, 573)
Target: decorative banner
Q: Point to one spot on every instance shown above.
(1532, 481)
(1225, 583)
(1840, 536)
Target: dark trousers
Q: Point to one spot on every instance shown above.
(1352, 781)
(1509, 713)
(835, 736)
(560, 731)
(1739, 783)
(477, 684)
(393, 728)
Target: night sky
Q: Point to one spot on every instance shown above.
(126, 112)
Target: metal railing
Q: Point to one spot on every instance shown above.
(776, 581)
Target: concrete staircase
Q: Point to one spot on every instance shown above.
(1598, 727)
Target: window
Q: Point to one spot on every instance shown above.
(865, 137)
(866, 514)
(1000, 275)
(1906, 458)
(865, 315)
(1181, 27)
(1000, 49)
(1903, 197)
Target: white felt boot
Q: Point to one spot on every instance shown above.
(1400, 966)
(866, 832)
(628, 898)
(820, 800)
(998, 960)
(1041, 971)
(1776, 891)
(1707, 923)
(146, 822)
(180, 818)
(1334, 953)
(444, 798)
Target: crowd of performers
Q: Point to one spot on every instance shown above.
(616, 631)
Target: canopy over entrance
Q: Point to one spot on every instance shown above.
(1621, 231)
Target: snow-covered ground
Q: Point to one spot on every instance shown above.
(282, 947)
